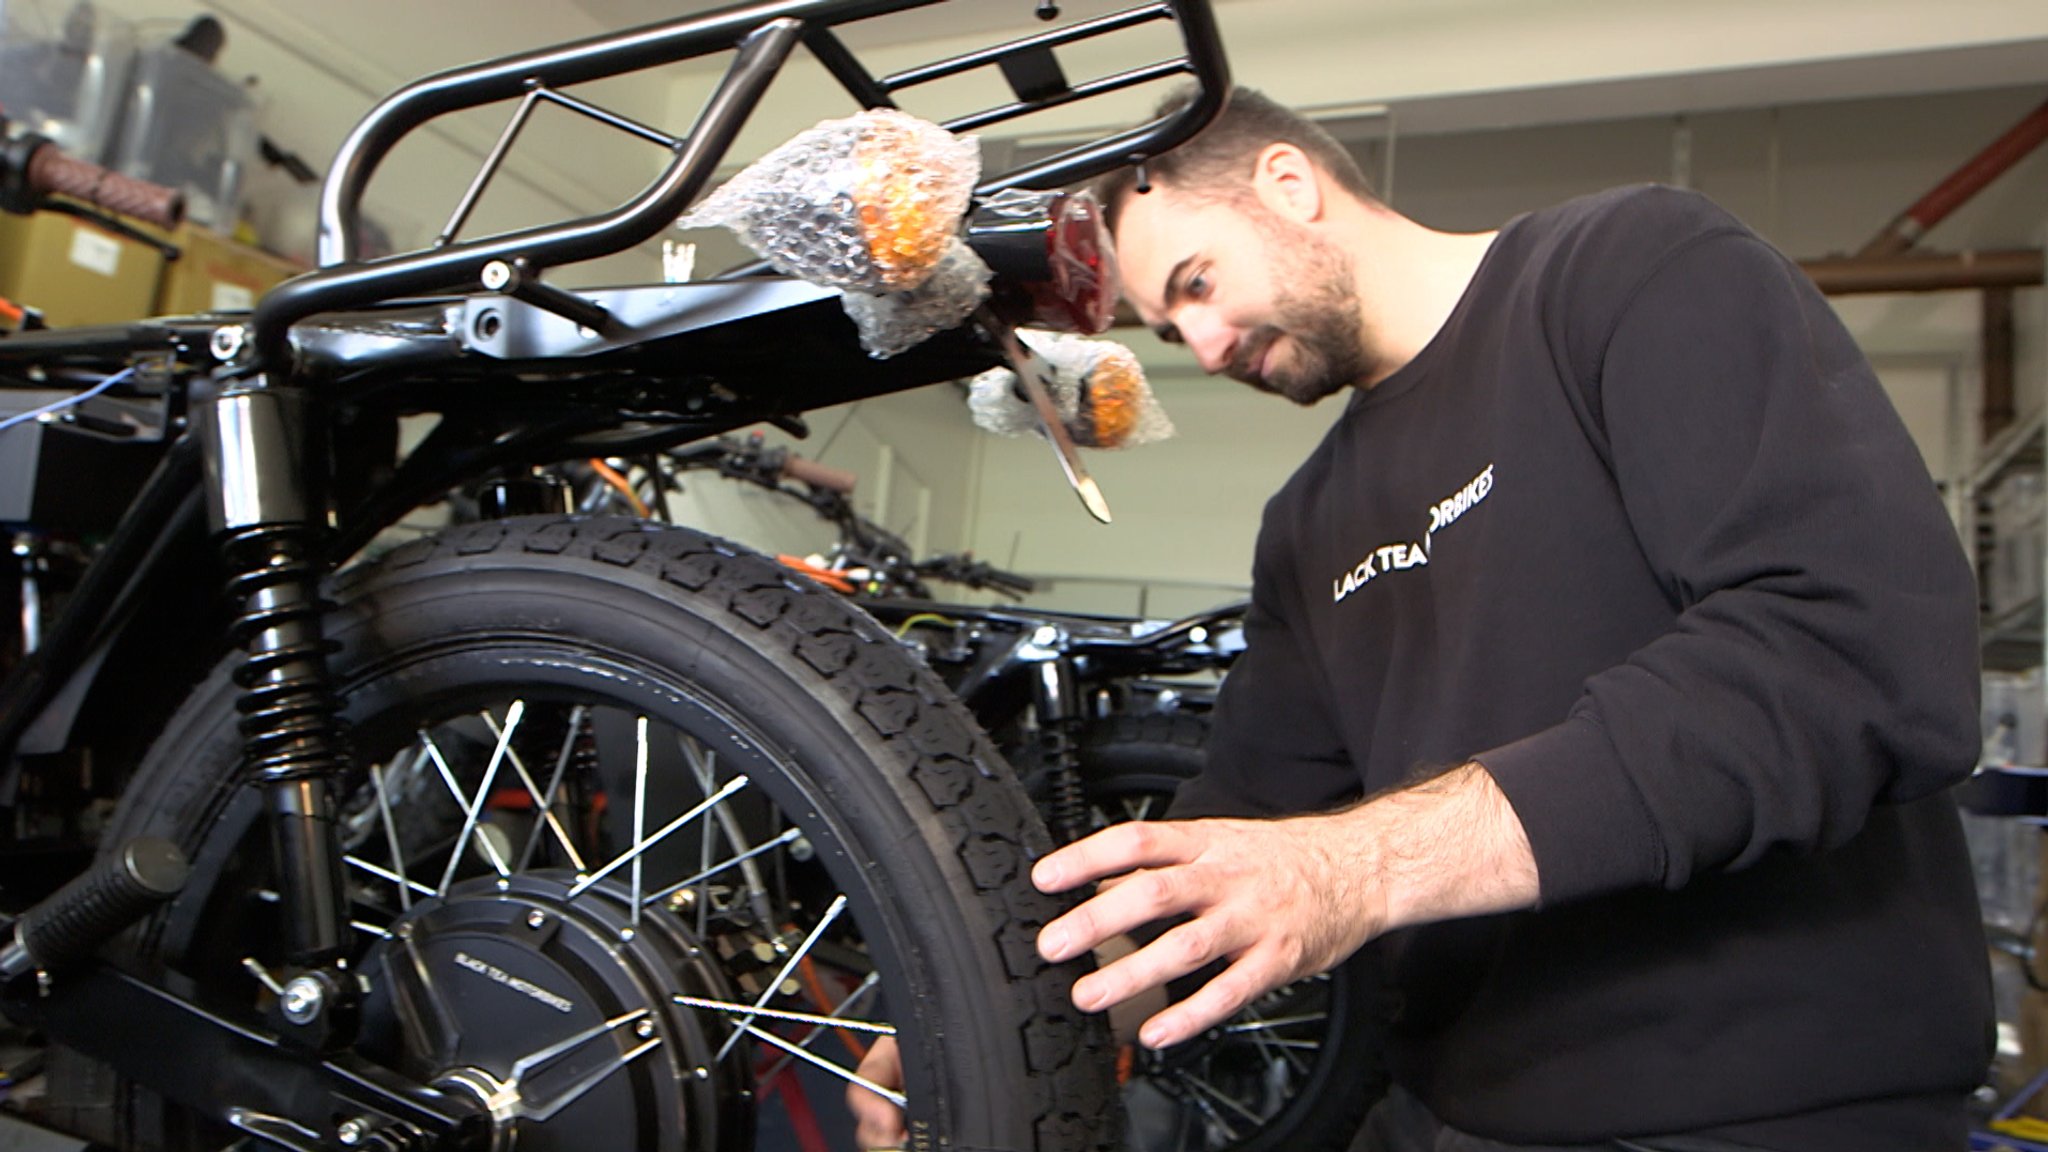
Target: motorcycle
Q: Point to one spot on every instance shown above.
(551, 831)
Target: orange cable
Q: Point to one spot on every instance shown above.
(817, 990)
(610, 475)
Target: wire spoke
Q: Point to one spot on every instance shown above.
(405, 887)
(817, 1061)
(751, 1011)
(639, 812)
(1207, 1109)
(398, 877)
(577, 717)
(787, 836)
(723, 794)
(1263, 1025)
(837, 1011)
(703, 765)
(548, 818)
(1203, 1088)
(471, 808)
(775, 985)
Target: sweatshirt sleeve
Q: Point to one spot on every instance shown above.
(1824, 658)
(1273, 749)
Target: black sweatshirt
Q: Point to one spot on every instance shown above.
(1640, 532)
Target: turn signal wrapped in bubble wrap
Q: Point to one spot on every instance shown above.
(871, 205)
(1098, 387)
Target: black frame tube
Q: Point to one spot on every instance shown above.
(455, 266)
(764, 34)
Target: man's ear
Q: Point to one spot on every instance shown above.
(1288, 184)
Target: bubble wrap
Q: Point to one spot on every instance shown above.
(870, 203)
(1097, 385)
(900, 321)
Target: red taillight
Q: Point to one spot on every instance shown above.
(1052, 257)
(1084, 284)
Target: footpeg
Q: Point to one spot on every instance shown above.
(116, 892)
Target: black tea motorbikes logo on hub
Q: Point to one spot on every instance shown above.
(527, 987)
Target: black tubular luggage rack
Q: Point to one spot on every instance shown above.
(763, 35)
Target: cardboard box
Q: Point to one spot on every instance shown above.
(216, 274)
(76, 272)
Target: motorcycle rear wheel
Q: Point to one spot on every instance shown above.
(872, 847)
(1296, 1070)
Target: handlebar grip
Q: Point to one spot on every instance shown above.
(50, 170)
(818, 475)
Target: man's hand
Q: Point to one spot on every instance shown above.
(876, 1122)
(1282, 899)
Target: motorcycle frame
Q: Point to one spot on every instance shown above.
(276, 433)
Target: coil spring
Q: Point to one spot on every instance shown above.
(288, 707)
(1067, 810)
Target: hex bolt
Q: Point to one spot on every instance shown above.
(536, 919)
(496, 276)
(302, 1000)
(644, 1029)
(352, 1132)
(226, 342)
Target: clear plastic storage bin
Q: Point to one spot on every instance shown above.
(64, 72)
(190, 127)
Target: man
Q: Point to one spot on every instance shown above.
(1621, 593)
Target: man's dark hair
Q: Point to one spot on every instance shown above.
(1219, 160)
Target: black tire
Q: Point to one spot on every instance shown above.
(904, 806)
(1130, 766)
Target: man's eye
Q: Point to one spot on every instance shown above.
(1198, 285)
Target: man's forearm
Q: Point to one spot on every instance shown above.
(1449, 847)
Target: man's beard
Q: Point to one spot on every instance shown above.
(1317, 308)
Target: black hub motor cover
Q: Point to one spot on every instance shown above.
(559, 1013)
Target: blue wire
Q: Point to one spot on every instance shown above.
(68, 401)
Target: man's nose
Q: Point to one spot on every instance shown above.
(1212, 341)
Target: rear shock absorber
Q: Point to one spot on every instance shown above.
(287, 704)
(1067, 810)
(262, 476)
(1056, 701)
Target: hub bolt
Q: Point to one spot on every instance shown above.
(536, 918)
(644, 1029)
(351, 1132)
(302, 1000)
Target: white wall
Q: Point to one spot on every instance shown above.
(1184, 508)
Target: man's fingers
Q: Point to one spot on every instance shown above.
(1176, 953)
(876, 1122)
(1140, 899)
(1116, 849)
(1253, 975)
